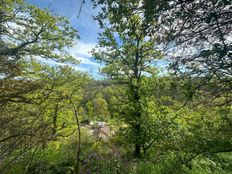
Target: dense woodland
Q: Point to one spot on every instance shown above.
(163, 105)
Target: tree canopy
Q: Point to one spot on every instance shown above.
(163, 106)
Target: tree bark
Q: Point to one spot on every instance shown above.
(137, 153)
(77, 167)
(54, 121)
(137, 125)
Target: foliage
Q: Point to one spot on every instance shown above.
(198, 33)
(128, 54)
(55, 119)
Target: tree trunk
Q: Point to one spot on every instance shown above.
(137, 153)
(54, 121)
(137, 117)
(77, 166)
(137, 130)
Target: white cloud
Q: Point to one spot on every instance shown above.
(81, 51)
(80, 69)
(54, 63)
(87, 61)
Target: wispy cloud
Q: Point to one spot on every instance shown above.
(82, 51)
(55, 63)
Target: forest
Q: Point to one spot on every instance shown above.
(162, 103)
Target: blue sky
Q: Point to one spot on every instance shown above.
(87, 28)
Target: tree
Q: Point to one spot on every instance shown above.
(199, 34)
(29, 31)
(100, 107)
(28, 35)
(128, 54)
(53, 113)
